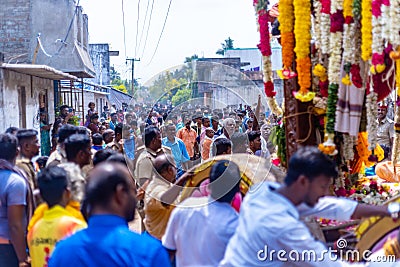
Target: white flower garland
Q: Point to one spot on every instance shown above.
(335, 58)
(336, 5)
(394, 23)
(316, 23)
(386, 30)
(356, 48)
(377, 41)
(372, 115)
(325, 26)
(348, 42)
(348, 147)
(335, 47)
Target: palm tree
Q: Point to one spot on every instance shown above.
(190, 59)
(114, 75)
(225, 46)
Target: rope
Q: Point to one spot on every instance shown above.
(309, 112)
(41, 46)
(389, 74)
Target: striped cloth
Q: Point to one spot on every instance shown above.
(349, 108)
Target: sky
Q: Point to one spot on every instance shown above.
(192, 27)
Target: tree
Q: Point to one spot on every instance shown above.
(117, 83)
(190, 59)
(225, 46)
(181, 96)
(114, 74)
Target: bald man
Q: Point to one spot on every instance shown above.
(161, 195)
(111, 196)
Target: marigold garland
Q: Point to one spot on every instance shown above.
(302, 33)
(320, 72)
(366, 30)
(286, 18)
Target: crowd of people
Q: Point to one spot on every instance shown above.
(73, 206)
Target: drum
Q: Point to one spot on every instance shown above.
(253, 170)
(375, 231)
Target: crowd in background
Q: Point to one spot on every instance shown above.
(63, 156)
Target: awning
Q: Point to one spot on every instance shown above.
(41, 71)
(116, 97)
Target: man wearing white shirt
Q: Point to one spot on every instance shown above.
(200, 228)
(265, 132)
(270, 216)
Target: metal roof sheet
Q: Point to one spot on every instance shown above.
(41, 71)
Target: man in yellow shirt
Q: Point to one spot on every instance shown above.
(161, 195)
(57, 223)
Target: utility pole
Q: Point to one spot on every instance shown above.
(133, 73)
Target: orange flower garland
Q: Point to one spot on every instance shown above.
(285, 19)
(366, 30)
(348, 42)
(302, 26)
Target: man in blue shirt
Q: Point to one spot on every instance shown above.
(178, 149)
(111, 201)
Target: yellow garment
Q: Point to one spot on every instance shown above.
(156, 214)
(364, 153)
(56, 224)
(73, 208)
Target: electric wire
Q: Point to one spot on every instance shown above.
(123, 24)
(162, 31)
(137, 27)
(144, 24)
(148, 28)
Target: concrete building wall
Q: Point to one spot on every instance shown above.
(100, 56)
(21, 21)
(247, 55)
(99, 99)
(15, 29)
(21, 112)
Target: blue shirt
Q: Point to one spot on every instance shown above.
(129, 148)
(179, 151)
(112, 125)
(268, 221)
(179, 126)
(97, 148)
(108, 242)
(13, 190)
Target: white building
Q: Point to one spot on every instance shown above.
(24, 89)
